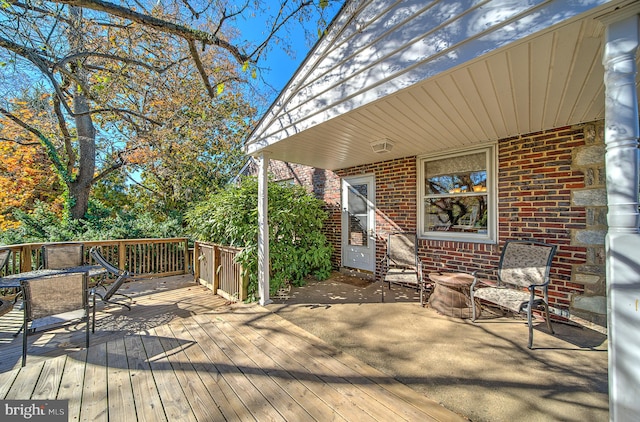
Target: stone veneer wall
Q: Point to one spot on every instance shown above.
(551, 188)
(591, 304)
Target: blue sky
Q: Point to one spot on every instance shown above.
(282, 66)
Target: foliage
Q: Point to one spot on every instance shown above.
(45, 225)
(25, 177)
(185, 165)
(297, 246)
(144, 84)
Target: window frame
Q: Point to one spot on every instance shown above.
(491, 237)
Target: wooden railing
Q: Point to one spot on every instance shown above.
(142, 257)
(215, 267)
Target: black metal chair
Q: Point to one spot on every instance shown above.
(401, 264)
(59, 256)
(523, 271)
(121, 277)
(4, 258)
(6, 305)
(60, 298)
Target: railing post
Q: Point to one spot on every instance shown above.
(214, 265)
(25, 258)
(244, 284)
(186, 256)
(122, 255)
(196, 261)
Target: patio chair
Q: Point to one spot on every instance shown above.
(401, 264)
(4, 258)
(60, 298)
(522, 276)
(121, 277)
(6, 305)
(59, 256)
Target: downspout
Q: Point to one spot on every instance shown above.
(623, 237)
(263, 228)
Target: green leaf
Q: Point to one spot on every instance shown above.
(245, 66)
(324, 3)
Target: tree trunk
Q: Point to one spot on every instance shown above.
(80, 186)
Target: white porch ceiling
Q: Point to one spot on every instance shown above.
(545, 81)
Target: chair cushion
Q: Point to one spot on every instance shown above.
(402, 275)
(514, 300)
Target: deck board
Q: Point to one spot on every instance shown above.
(49, 380)
(198, 358)
(94, 390)
(313, 405)
(195, 391)
(147, 399)
(346, 381)
(72, 382)
(276, 397)
(119, 389)
(225, 398)
(175, 403)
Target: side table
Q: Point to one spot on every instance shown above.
(451, 296)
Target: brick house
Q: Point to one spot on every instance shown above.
(470, 124)
(548, 182)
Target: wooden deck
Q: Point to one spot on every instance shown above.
(195, 357)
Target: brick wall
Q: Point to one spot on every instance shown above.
(395, 197)
(537, 177)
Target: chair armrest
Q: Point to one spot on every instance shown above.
(484, 281)
(545, 284)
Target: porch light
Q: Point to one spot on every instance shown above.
(381, 146)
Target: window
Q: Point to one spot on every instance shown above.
(457, 196)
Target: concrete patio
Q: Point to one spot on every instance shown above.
(483, 371)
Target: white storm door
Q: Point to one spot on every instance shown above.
(358, 223)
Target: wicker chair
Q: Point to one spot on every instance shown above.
(63, 297)
(401, 264)
(121, 277)
(522, 272)
(60, 256)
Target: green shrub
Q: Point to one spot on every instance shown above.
(297, 246)
(44, 225)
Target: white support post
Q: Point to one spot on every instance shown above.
(263, 229)
(623, 237)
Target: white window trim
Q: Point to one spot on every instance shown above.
(491, 236)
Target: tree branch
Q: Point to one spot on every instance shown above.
(277, 25)
(200, 67)
(62, 124)
(105, 172)
(120, 111)
(24, 144)
(82, 55)
(185, 32)
(33, 8)
(43, 64)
